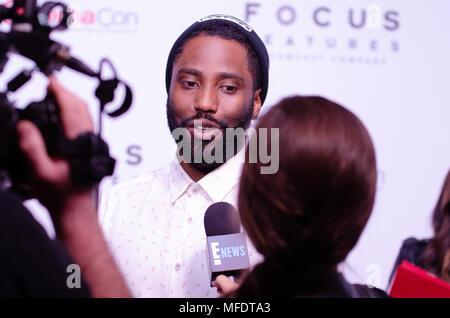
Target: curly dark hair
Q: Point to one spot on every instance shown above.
(436, 257)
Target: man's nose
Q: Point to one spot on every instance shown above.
(206, 100)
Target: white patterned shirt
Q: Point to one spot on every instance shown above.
(154, 228)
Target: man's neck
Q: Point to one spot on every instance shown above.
(193, 173)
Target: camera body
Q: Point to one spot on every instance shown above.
(44, 114)
(29, 36)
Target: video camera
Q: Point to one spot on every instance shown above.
(29, 36)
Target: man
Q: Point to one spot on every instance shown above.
(216, 79)
(32, 264)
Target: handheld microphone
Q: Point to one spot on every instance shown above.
(226, 245)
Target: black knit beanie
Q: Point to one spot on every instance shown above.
(253, 39)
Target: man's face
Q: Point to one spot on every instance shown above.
(211, 84)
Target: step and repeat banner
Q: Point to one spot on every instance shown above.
(387, 61)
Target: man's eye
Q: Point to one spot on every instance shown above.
(189, 84)
(230, 89)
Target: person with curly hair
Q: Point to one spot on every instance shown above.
(432, 254)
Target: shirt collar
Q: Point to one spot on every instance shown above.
(179, 180)
(217, 184)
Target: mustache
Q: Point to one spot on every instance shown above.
(222, 124)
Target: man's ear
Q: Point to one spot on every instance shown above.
(256, 103)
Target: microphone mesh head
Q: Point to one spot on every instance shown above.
(221, 218)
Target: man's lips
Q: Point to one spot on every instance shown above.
(203, 129)
(204, 123)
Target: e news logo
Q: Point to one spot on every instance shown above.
(226, 252)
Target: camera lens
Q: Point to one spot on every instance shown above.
(54, 16)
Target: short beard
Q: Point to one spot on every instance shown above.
(205, 167)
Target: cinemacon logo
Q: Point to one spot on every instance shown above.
(107, 18)
(103, 17)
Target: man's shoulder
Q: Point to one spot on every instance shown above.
(141, 181)
(127, 194)
(16, 219)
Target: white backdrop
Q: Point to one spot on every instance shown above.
(389, 62)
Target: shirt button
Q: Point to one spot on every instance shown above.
(178, 267)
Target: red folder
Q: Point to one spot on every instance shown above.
(411, 281)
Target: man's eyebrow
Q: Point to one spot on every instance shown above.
(232, 76)
(222, 75)
(190, 71)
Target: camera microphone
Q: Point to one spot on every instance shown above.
(74, 63)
